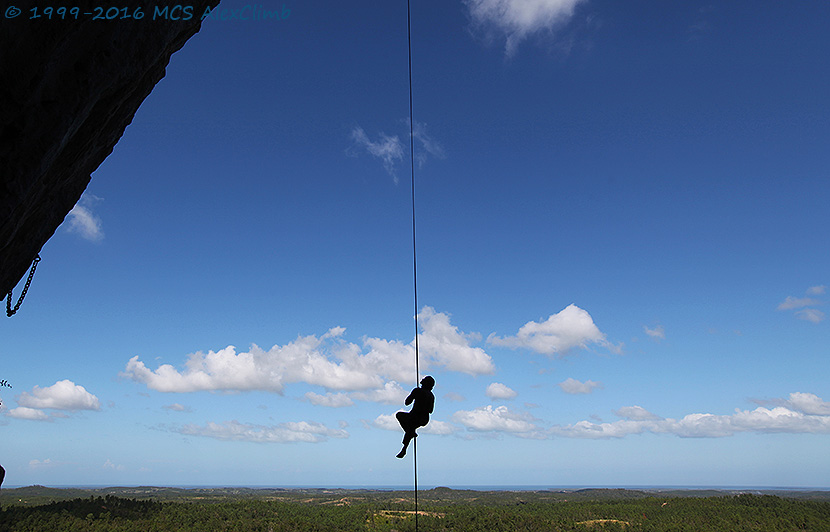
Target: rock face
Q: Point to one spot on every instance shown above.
(68, 89)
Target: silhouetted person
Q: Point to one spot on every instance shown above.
(419, 415)
(2, 475)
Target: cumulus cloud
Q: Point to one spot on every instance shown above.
(82, 221)
(326, 361)
(573, 386)
(439, 428)
(301, 431)
(389, 422)
(499, 419)
(571, 328)
(306, 359)
(658, 332)
(637, 413)
(332, 400)
(515, 20)
(803, 413)
(445, 346)
(32, 414)
(807, 403)
(391, 393)
(498, 390)
(388, 149)
(63, 395)
(385, 422)
(804, 306)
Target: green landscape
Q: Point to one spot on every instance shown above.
(38, 508)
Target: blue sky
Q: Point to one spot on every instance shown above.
(622, 259)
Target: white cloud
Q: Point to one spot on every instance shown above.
(34, 464)
(391, 151)
(32, 414)
(391, 393)
(390, 422)
(326, 361)
(571, 328)
(388, 149)
(515, 20)
(331, 400)
(816, 290)
(499, 419)
(791, 303)
(438, 428)
(637, 413)
(573, 386)
(587, 429)
(83, 221)
(386, 422)
(110, 465)
(808, 403)
(810, 314)
(498, 390)
(802, 414)
(176, 407)
(63, 395)
(302, 431)
(658, 332)
(428, 145)
(803, 305)
(393, 359)
(446, 346)
(306, 359)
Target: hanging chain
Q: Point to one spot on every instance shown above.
(12, 311)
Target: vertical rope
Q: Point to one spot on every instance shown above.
(414, 247)
(412, 180)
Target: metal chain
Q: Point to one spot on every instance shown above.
(12, 311)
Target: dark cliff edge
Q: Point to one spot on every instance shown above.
(68, 90)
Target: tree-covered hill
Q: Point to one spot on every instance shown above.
(442, 509)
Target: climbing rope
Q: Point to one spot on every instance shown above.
(414, 247)
(12, 311)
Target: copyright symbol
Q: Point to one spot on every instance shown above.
(12, 12)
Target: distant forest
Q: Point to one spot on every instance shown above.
(440, 509)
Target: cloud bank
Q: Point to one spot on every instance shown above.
(802, 413)
(370, 371)
(300, 431)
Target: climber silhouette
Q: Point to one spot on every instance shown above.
(419, 415)
(2, 475)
